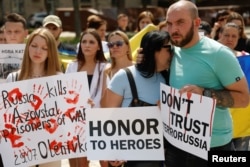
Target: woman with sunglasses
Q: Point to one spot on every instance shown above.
(120, 55)
(90, 58)
(157, 53)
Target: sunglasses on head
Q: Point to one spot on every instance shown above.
(117, 43)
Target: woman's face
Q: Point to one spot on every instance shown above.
(102, 31)
(144, 22)
(119, 47)
(163, 58)
(89, 45)
(38, 50)
(229, 37)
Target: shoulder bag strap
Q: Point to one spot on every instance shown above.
(132, 83)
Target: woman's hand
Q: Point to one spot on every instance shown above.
(91, 103)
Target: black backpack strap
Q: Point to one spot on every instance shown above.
(132, 83)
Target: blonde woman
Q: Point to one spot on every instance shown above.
(120, 55)
(40, 59)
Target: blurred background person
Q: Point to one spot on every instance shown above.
(2, 37)
(220, 21)
(144, 18)
(243, 42)
(2, 41)
(99, 24)
(15, 29)
(122, 22)
(15, 32)
(205, 28)
(54, 24)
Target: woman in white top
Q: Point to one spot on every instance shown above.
(90, 58)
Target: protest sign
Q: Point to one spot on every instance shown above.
(10, 59)
(11, 53)
(133, 133)
(187, 120)
(43, 119)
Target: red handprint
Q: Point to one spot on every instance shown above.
(36, 103)
(73, 92)
(79, 131)
(10, 133)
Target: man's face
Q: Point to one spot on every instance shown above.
(14, 32)
(180, 27)
(56, 31)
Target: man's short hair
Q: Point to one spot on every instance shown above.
(14, 17)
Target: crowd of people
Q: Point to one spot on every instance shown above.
(218, 54)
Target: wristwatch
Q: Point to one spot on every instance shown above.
(207, 92)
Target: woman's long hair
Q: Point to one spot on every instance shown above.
(151, 42)
(126, 40)
(52, 63)
(236, 16)
(99, 54)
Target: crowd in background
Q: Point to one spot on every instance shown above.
(102, 54)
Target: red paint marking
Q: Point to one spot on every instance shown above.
(4, 116)
(34, 122)
(16, 93)
(39, 88)
(51, 128)
(13, 137)
(70, 144)
(73, 100)
(211, 117)
(54, 145)
(69, 111)
(37, 102)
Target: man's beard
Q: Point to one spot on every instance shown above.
(186, 39)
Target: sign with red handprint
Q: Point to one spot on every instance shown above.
(43, 119)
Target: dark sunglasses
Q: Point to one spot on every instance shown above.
(117, 43)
